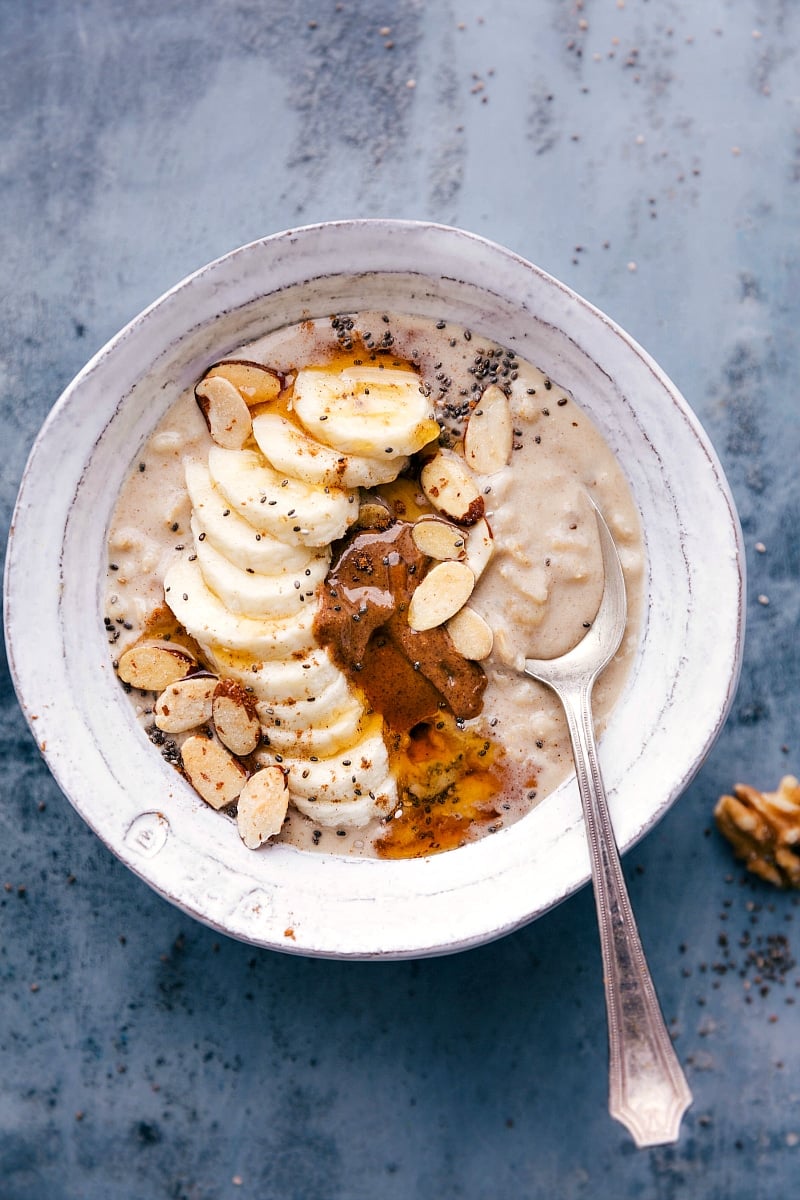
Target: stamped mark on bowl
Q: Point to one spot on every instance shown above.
(147, 834)
(253, 907)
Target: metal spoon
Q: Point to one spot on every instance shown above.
(648, 1091)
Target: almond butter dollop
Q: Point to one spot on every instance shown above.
(407, 676)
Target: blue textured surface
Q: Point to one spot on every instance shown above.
(650, 159)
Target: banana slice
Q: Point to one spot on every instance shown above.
(278, 682)
(277, 504)
(326, 705)
(365, 410)
(358, 770)
(232, 535)
(253, 595)
(291, 450)
(332, 737)
(320, 725)
(355, 812)
(206, 618)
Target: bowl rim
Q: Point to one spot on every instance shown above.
(245, 925)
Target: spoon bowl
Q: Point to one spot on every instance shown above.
(593, 652)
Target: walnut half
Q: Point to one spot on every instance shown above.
(764, 830)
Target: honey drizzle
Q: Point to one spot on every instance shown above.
(450, 783)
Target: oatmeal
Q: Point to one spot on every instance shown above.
(329, 564)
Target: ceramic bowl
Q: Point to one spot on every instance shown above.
(676, 698)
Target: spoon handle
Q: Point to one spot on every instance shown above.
(648, 1092)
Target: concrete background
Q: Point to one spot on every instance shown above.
(649, 155)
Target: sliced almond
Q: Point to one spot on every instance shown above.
(480, 547)
(373, 515)
(444, 590)
(185, 704)
(212, 771)
(256, 383)
(225, 412)
(448, 484)
(262, 807)
(235, 718)
(438, 539)
(470, 634)
(152, 666)
(490, 433)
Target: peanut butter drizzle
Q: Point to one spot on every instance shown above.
(406, 676)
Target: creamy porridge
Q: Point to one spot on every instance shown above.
(328, 565)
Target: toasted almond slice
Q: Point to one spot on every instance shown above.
(470, 634)
(373, 515)
(438, 539)
(152, 666)
(448, 484)
(185, 704)
(212, 771)
(443, 591)
(256, 383)
(225, 412)
(480, 547)
(490, 433)
(235, 718)
(262, 807)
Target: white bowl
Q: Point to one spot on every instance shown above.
(676, 699)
